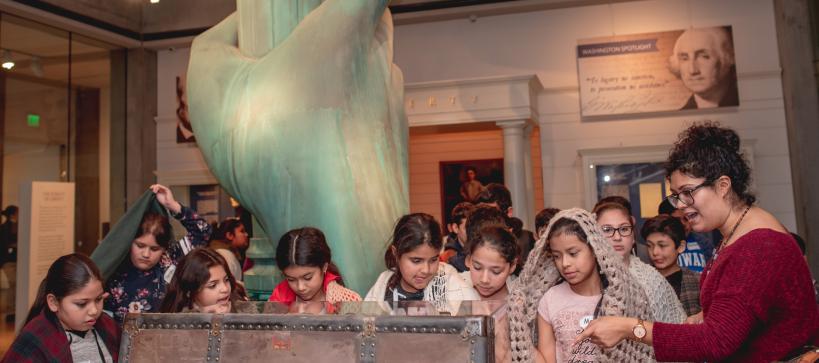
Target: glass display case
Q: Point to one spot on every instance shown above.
(320, 332)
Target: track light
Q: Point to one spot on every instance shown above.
(8, 63)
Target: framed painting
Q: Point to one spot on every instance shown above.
(462, 181)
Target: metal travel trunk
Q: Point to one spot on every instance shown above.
(338, 333)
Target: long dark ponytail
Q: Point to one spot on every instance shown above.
(306, 246)
(411, 231)
(229, 225)
(67, 275)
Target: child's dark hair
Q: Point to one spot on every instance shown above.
(157, 225)
(665, 224)
(305, 246)
(543, 217)
(616, 199)
(10, 211)
(411, 231)
(498, 194)
(461, 211)
(484, 216)
(665, 207)
(192, 273)
(706, 150)
(516, 224)
(229, 225)
(67, 275)
(567, 226)
(500, 239)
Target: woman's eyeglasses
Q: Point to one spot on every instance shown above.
(624, 231)
(685, 198)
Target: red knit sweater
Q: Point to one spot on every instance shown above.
(757, 301)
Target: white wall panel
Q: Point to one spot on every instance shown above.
(543, 43)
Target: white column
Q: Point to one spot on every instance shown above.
(546, 161)
(514, 168)
(529, 177)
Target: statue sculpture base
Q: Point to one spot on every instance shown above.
(261, 279)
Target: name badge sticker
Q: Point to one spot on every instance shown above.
(584, 321)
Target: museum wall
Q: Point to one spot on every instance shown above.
(544, 43)
(32, 153)
(177, 163)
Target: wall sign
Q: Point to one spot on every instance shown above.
(657, 72)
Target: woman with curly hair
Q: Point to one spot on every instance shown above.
(756, 293)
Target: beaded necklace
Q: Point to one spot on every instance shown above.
(727, 238)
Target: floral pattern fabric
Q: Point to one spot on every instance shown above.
(133, 290)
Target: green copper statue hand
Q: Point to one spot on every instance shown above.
(313, 131)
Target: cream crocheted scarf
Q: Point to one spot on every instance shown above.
(622, 297)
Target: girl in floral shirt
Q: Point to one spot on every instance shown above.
(139, 283)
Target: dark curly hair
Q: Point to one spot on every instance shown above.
(707, 150)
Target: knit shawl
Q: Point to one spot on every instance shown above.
(622, 297)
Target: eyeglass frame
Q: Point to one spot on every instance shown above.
(617, 230)
(690, 192)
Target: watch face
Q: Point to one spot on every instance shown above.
(639, 331)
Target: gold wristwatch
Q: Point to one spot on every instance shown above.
(639, 331)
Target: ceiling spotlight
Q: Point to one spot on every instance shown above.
(36, 67)
(8, 63)
(154, 1)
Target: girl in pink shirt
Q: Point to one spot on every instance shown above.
(572, 276)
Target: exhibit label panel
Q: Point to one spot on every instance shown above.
(657, 72)
(46, 232)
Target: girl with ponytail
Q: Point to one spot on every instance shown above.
(66, 322)
(305, 259)
(414, 272)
